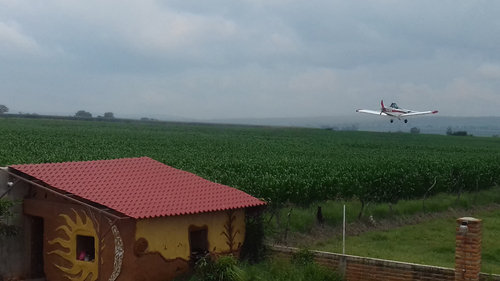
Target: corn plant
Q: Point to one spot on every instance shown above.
(282, 165)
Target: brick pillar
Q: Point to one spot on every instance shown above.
(468, 250)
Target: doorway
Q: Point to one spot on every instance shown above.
(37, 231)
(198, 242)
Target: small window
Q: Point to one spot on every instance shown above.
(85, 248)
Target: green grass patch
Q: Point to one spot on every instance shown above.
(431, 243)
(303, 220)
(282, 270)
(274, 269)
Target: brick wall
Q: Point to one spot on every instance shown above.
(355, 268)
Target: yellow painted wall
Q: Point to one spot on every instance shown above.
(169, 236)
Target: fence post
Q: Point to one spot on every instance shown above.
(468, 249)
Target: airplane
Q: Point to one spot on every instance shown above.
(394, 111)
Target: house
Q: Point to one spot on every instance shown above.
(122, 219)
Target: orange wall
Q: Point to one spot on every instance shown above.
(62, 223)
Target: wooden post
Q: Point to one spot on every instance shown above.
(468, 249)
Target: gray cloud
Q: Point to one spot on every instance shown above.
(253, 58)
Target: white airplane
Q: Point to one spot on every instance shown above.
(394, 111)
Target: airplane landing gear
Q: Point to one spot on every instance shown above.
(406, 120)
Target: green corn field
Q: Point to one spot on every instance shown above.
(282, 165)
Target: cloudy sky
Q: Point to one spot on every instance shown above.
(249, 58)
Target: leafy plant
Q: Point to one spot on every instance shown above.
(302, 258)
(7, 229)
(215, 268)
(254, 249)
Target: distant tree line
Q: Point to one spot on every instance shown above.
(415, 130)
(343, 128)
(449, 132)
(83, 113)
(3, 109)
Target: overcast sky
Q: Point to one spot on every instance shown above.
(249, 58)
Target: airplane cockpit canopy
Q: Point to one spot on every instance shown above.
(394, 105)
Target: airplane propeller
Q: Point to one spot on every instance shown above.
(382, 110)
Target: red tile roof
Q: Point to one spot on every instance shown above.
(140, 187)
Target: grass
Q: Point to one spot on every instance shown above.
(431, 243)
(303, 220)
(274, 269)
(282, 270)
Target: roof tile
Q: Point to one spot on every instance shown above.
(140, 187)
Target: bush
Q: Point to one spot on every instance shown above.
(415, 130)
(254, 249)
(302, 258)
(5, 214)
(215, 268)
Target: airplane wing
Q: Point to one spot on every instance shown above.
(414, 113)
(371, 112)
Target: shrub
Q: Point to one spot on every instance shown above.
(302, 258)
(214, 268)
(254, 249)
(5, 214)
(415, 130)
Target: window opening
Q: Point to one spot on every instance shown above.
(198, 241)
(85, 248)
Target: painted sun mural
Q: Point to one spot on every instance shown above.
(80, 269)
